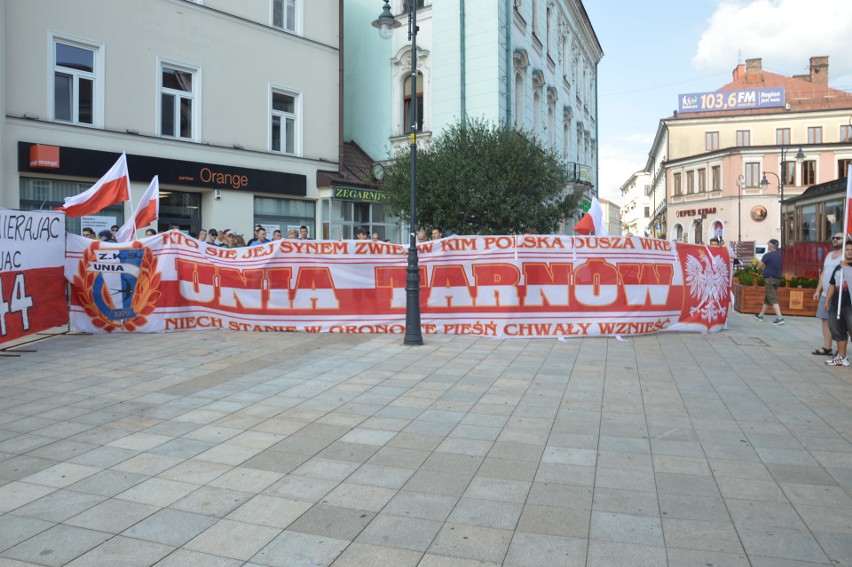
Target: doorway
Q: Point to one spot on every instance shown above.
(181, 209)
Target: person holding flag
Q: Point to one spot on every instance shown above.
(112, 188)
(838, 300)
(147, 211)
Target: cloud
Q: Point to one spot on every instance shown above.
(784, 33)
(618, 162)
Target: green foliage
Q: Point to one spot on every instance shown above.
(745, 277)
(479, 178)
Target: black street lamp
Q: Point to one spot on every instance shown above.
(386, 23)
(800, 156)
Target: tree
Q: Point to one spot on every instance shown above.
(479, 178)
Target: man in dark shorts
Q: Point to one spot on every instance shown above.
(838, 291)
(771, 265)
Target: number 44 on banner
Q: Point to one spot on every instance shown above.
(19, 302)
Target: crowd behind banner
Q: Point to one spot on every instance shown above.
(495, 286)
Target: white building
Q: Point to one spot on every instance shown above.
(233, 104)
(636, 207)
(530, 64)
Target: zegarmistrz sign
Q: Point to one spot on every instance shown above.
(495, 286)
(32, 259)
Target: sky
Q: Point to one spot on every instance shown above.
(657, 49)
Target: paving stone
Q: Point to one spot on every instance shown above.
(294, 549)
(124, 551)
(211, 501)
(367, 555)
(58, 506)
(486, 513)
(329, 521)
(607, 553)
(472, 542)
(235, 540)
(56, 546)
(705, 536)
(15, 529)
(387, 530)
(170, 527)
(626, 528)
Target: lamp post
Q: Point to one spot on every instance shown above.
(386, 23)
(740, 184)
(800, 156)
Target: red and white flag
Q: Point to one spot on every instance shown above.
(147, 211)
(592, 221)
(112, 188)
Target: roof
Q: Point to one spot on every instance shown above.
(355, 169)
(822, 189)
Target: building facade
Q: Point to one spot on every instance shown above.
(636, 207)
(725, 172)
(234, 105)
(528, 64)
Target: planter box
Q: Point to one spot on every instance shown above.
(793, 300)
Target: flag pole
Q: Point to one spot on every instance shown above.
(845, 235)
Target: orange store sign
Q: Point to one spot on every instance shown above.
(44, 157)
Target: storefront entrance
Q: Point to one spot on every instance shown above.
(181, 209)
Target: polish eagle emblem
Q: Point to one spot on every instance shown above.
(707, 278)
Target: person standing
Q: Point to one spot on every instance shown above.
(838, 292)
(259, 237)
(303, 233)
(771, 266)
(832, 260)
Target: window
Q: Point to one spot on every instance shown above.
(808, 172)
(711, 141)
(752, 174)
(77, 85)
(406, 103)
(519, 101)
(815, 135)
(286, 214)
(417, 5)
(702, 180)
(647, 211)
(177, 101)
(789, 173)
(45, 194)
(536, 111)
(678, 190)
(690, 182)
(716, 177)
(782, 136)
(284, 122)
(535, 17)
(845, 134)
(843, 167)
(284, 14)
(743, 138)
(809, 225)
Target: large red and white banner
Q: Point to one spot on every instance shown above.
(32, 257)
(496, 286)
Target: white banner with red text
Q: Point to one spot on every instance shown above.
(32, 257)
(494, 286)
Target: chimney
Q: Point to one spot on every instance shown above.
(819, 70)
(754, 70)
(739, 72)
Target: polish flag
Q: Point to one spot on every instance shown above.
(147, 211)
(593, 221)
(112, 188)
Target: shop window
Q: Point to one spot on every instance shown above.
(409, 94)
(285, 215)
(77, 82)
(284, 122)
(178, 93)
(743, 138)
(47, 194)
(284, 14)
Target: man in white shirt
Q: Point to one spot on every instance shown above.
(832, 260)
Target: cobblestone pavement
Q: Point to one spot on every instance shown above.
(224, 448)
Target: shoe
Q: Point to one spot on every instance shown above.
(759, 317)
(837, 361)
(778, 321)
